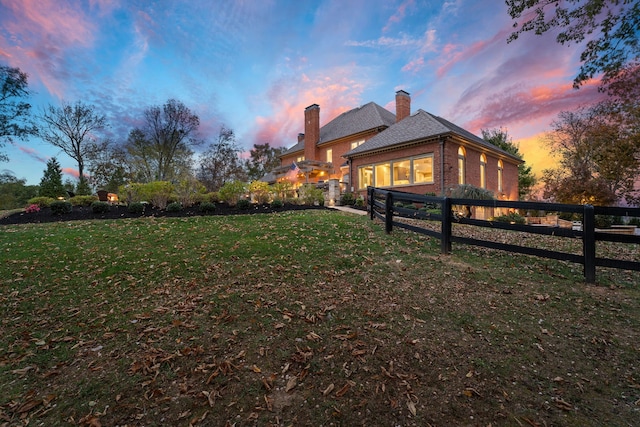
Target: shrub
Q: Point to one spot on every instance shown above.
(359, 202)
(347, 199)
(207, 207)
(466, 191)
(635, 221)
(283, 190)
(260, 191)
(136, 207)
(411, 206)
(41, 201)
(243, 204)
(99, 207)
(174, 207)
(60, 207)
(156, 192)
(604, 221)
(83, 200)
(231, 192)
(32, 208)
(510, 218)
(277, 203)
(187, 191)
(310, 195)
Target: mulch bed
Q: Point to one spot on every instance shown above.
(121, 211)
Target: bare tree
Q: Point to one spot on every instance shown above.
(161, 149)
(72, 128)
(221, 162)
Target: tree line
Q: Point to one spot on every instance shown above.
(166, 147)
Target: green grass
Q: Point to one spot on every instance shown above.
(304, 318)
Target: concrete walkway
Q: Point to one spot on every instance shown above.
(349, 210)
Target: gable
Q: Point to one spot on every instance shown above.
(352, 122)
(417, 127)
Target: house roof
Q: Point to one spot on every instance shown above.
(367, 117)
(420, 126)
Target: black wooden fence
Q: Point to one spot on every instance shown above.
(387, 204)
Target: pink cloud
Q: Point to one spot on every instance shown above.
(522, 105)
(451, 55)
(33, 153)
(399, 15)
(72, 172)
(40, 34)
(334, 95)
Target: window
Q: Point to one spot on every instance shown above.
(382, 175)
(329, 155)
(483, 171)
(500, 168)
(365, 176)
(423, 169)
(412, 170)
(355, 144)
(300, 159)
(401, 172)
(461, 165)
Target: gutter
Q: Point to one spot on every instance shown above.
(442, 192)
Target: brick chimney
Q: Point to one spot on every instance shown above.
(403, 105)
(311, 131)
(300, 137)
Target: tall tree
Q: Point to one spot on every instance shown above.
(221, 162)
(599, 157)
(501, 139)
(610, 27)
(51, 182)
(263, 159)
(107, 166)
(72, 128)
(15, 118)
(161, 149)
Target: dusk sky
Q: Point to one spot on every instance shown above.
(254, 65)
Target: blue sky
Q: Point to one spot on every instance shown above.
(254, 65)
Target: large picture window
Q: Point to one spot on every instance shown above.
(413, 170)
(401, 172)
(423, 170)
(382, 175)
(365, 176)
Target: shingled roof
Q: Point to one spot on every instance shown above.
(367, 117)
(418, 127)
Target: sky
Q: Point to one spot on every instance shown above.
(254, 65)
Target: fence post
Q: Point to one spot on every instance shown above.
(445, 240)
(388, 212)
(589, 243)
(371, 192)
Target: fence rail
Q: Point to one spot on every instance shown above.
(388, 204)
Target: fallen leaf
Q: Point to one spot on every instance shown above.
(412, 407)
(291, 384)
(328, 390)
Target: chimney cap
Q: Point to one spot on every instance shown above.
(402, 92)
(312, 106)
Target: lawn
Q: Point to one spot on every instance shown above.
(304, 318)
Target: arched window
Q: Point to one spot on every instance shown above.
(500, 168)
(483, 171)
(461, 165)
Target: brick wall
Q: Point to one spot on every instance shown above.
(450, 169)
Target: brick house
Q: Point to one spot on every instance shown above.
(418, 153)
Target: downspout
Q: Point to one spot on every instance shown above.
(442, 192)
